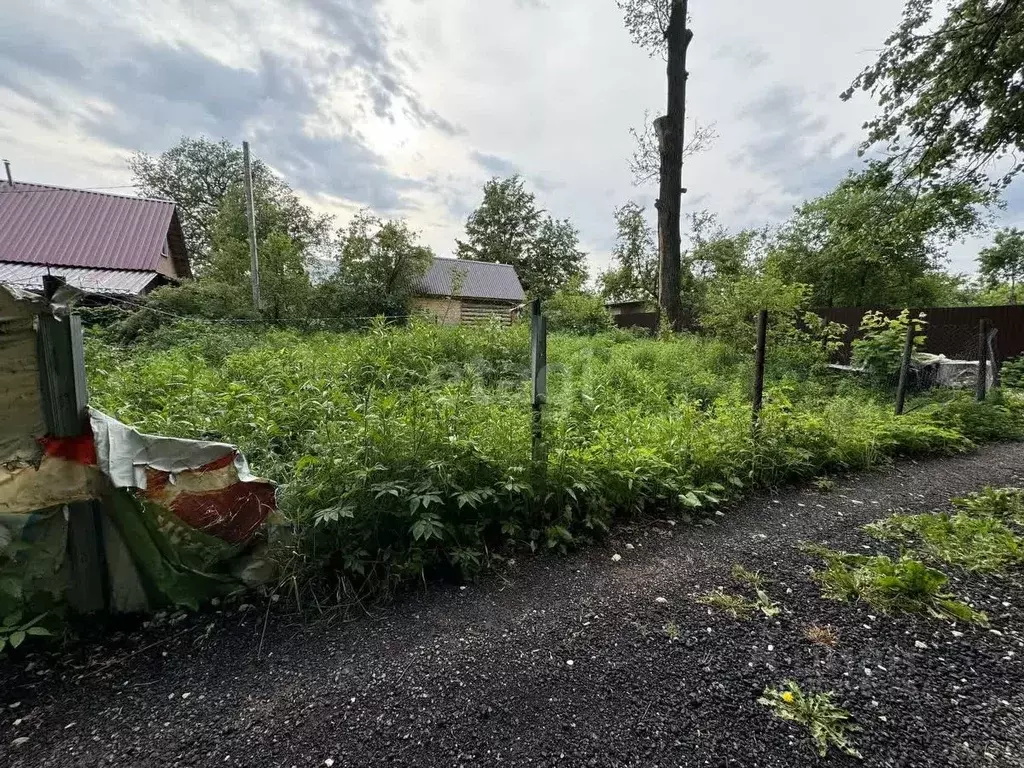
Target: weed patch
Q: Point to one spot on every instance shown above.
(905, 585)
(736, 606)
(974, 543)
(828, 724)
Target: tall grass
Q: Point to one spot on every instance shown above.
(404, 452)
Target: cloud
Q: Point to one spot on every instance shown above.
(496, 166)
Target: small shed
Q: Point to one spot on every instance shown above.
(104, 244)
(459, 291)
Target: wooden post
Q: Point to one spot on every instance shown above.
(997, 380)
(982, 381)
(65, 399)
(539, 370)
(908, 351)
(250, 222)
(762, 340)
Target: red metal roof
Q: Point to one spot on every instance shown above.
(41, 224)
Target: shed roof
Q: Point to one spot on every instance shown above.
(43, 224)
(474, 279)
(115, 282)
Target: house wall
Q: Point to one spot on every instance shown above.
(447, 311)
(452, 311)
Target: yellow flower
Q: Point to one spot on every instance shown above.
(788, 697)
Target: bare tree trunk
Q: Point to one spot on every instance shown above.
(670, 144)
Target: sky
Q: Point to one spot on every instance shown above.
(408, 106)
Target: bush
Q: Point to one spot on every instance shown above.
(879, 349)
(574, 312)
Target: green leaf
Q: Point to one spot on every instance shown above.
(39, 631)
(17, 638)
(690, 499)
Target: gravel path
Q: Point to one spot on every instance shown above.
(564, 663)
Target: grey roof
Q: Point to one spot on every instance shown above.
(118, 282)
(479, 280)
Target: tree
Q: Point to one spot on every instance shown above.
(285, 287)
(1004, 261)
(509, 229)
(635, 274)
(198, 173)
(873, 242)
(951, 92)
(660, 26)
(378, 265)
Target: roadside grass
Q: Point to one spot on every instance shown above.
(736, 606)
(828, 724)
(904, 585)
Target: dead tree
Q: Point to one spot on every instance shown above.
(661, 26)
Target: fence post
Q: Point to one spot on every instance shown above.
(539, 374)
(64, 399)
(997, 381)
(908, 351)
(982, 381)
(762, 337)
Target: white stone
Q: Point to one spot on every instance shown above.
(919, 644)
(616, 557)
(660, 600)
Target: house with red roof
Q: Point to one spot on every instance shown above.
(100, 243)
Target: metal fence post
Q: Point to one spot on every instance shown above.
(762, 338)
(539, 371)
(65, 398)
(908, 351)
(982, 381)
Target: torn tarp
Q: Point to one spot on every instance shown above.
(182, 519)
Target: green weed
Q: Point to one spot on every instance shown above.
(892, 586)
(980, 544)
(736, 606)
(745, 576)
(1005, 504)
(828, 724)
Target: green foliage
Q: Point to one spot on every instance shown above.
(879, 348)
(748, 577)
(905, 585)
(971, 542)
(634, 276)
(736, 606)
(1012, 372)
(405, 452)
(872, 243)
(948, 83)
(1004, 261)
(1004, 504)
(570, 311)
(828, 724)
(509, 229)
(198, 174)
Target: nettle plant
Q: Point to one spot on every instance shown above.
(879, 350)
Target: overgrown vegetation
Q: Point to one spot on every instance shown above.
(904, 585)
(981, 544)
(829, 725)
(405, 452)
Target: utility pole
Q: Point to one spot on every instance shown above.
(670, 146)
(250, 221)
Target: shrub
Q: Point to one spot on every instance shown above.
(879, 349)
(577, 312)
(1012, 372)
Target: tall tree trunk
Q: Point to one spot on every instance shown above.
(670, 143)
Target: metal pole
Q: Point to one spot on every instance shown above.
(539, 366)
(979, 391)
(908, 351)
(250, 222)
(762, 338)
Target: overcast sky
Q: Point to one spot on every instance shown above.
(408, 106)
